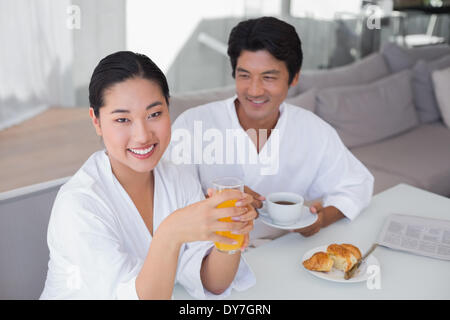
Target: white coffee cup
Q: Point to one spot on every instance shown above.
(280, 211)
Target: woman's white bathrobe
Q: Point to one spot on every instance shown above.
(98, 240)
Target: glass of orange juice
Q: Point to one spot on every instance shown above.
(221, 184)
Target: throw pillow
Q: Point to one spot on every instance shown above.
(441, 81)
(424, 97)
(305, 100)
(369, 113)
(369, 69)
(400, 58)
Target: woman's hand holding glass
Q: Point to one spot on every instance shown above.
(247, 218)
(200, 221)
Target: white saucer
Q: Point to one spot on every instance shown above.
(306, 219)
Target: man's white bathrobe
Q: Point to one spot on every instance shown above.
(304, 154)
(98, 240)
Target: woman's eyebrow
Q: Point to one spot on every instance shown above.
(154, 104)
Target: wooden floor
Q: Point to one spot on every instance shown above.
(52, 145)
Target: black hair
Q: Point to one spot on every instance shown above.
(121, 66)
(267, 33)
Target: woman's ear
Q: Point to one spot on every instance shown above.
(95, 122)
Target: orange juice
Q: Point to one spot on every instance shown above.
(231, 248)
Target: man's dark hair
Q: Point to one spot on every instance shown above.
(267, 33)
(121, 66)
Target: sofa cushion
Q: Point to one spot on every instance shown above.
(441, 81)
(421, 155)
(305, 100)
(400, 58)
(179, 103)
(385, 180)
(366, 70)
(424, 97)
(369, 113)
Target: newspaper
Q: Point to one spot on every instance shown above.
(422, 236)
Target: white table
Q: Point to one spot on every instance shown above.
(280, 274)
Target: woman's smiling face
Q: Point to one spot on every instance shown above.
(134, 123)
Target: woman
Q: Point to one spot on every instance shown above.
(116, 228)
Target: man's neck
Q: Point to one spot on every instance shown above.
(264, 124)
(246, 123)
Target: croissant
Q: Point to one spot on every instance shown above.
(320, 261)
(354, 250)
(342, 257)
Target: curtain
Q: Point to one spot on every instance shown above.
(36, 58)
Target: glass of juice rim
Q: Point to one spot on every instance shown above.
(224, 183)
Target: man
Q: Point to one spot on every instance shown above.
(308, 157)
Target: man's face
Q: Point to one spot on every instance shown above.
(262, 84)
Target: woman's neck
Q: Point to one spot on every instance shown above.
(129, 179)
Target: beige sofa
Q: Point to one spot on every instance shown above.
(384, 109)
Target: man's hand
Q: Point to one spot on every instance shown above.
(257, 198)
(326, 216)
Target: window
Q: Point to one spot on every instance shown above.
(159, 29)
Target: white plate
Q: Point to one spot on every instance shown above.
(337, 275)
(307, 219)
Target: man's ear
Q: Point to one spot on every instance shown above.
(295, 80)
(95, 122)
